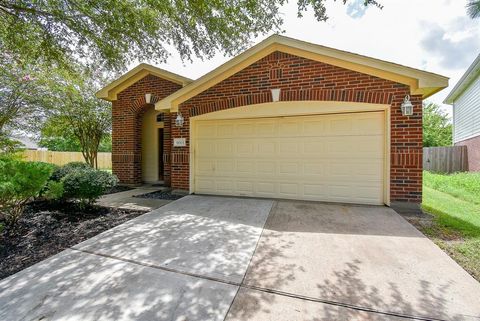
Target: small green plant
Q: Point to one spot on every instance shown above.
(87, 185)
(53, 191)
(64, 170)
(20, 182)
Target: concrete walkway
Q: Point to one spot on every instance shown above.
(126, 199)
(219, 258)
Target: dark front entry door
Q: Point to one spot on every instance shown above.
(160, 154)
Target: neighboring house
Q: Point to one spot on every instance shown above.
(284, 119)
(465, 98)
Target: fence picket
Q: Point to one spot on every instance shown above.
(448, 159)
(62, 158)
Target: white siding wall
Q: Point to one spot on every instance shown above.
(466, 113)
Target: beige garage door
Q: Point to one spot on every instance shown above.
(338, 158)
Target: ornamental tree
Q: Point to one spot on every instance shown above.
(114, 32)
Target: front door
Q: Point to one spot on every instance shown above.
(160, 154)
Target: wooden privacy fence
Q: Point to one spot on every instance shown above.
(445, 159)
(62, 158)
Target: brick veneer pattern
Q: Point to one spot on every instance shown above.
(303, 79)
(127, 112)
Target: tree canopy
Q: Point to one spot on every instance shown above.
(23, 91)
(76, 112)
(56, 136)
(473, 8)
(114, 32)
(437, 127)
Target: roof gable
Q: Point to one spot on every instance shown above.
(420, 82)
(110, 91)
(472, 73)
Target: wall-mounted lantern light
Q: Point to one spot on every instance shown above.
(179, 120)
(148, 98)
(407, 107)
(275, 94)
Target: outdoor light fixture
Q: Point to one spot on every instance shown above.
(179, 120)
(407, 107)
(275, 94)
(148, 98)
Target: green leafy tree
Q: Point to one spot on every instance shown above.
(437, 127)
(76, 112)
(473, 8)
(106, 143)
(115, 32)
(56, 136)
(23, 89)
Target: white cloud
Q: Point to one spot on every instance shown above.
(454, 45)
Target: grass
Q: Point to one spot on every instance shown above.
(454, 201)
(465, 186)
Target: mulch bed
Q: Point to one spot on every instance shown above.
(118, 189)
(46, 229)
(164, 195)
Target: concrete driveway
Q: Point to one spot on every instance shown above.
(219, 258)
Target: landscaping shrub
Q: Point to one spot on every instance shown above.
(87, 184)
(20, 182)
(61, 172)
(53, 190)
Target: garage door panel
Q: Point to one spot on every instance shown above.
(288, 189)
(266, 188)
(225, 167)
(287, 146)
(266, 129)
(372, 125)
(244, 148)
(205, 148)
(225, 131)
(223, 148)
(205, 167)
(289, 168)
(265, 147)
(314, 127)
(205, 184)
(330, 157)
(265, 167)
(244, 168)
(206, 131)
(224, 186)
(245, 187)
(313, 147)
(245, 130)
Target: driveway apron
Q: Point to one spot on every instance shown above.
(359, 256)
(183, 261)
(206, 236)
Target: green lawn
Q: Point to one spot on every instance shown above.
(454, 201)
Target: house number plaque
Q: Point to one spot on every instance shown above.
(179, 142)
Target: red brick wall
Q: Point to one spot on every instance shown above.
(127, 112)
(473, 152)
(303, 79)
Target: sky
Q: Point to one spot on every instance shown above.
(432, 35)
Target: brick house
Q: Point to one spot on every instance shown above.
(284, 119)
(465, 98)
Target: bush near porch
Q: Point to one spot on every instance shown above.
(45, 209)
(454, 202)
